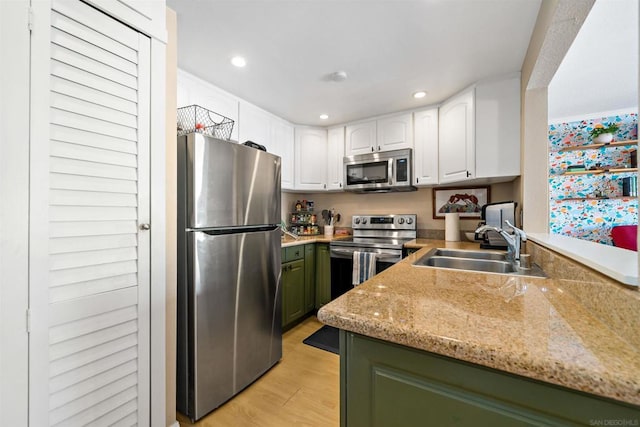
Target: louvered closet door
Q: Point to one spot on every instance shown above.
(99, 195)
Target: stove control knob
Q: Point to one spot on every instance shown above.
(400, 220)
(364, 220)
(357, 220)
(409, 220)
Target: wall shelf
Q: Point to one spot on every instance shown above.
(564, 199)
(596, 146)
(599, 171)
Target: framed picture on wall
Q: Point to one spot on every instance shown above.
(467, 201)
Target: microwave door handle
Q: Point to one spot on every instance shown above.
(390, 172)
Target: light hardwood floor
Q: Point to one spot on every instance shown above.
(302, 390)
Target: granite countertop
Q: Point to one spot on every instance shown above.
(525, 326)
(303, 240)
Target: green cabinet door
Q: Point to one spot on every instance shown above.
(292, 291)
(323, 274)
(309, 278)
(385, 384)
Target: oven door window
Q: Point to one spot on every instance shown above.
(368, 173)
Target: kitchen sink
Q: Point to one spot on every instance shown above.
(469, 264)
(463, 253)
(479, 261)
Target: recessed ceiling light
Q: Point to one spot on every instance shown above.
(238, 61)
(324, 116)
(338, 76)
(420, 94)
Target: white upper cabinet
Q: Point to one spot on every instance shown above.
(282, 144)
(361, 138)
(480, 133)
(457, 138)
(498, 128)
(335, 154)
(388, 133)
(255, 125)
(192, 90)
(310, 158)
(425, 154)
(395, 133)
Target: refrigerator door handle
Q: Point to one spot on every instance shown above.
(218, 231)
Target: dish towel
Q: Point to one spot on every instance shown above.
(364, 266)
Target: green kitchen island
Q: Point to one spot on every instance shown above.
(424, 346)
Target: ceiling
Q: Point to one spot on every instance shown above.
(389, 49)
(600, 71)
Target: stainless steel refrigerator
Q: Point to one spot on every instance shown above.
(229, 312)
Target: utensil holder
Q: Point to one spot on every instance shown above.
(328, 231)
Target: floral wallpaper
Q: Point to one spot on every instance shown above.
(587, 206)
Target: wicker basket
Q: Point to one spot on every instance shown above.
(197, 119)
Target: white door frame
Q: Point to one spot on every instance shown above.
(14, 211)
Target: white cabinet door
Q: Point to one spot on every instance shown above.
(282, 143)
(310, 159)
(254, 125)
(425, 157)
(395, 133)
(498, 128)
(456, 144)
(148, 17)
(360, 138)
(90, 244)
(335, 155)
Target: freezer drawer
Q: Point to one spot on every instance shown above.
(229, 316)
(223, 184)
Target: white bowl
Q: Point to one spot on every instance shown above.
(470, 235)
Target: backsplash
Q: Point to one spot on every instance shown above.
(584, 204)
(415, 202)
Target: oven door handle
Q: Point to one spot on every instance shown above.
(346, 253)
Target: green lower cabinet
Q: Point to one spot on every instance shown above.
(384, 384)
(309, 277)
(323, 275)
(293, 292)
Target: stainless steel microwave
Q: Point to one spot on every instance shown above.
(379, 172)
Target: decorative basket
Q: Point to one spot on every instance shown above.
(197, 119)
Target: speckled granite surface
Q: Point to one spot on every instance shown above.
(303, 240)
(527, 326)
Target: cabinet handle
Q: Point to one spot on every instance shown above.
(417, 180)
(372, 149)
(378, 148)
(468, 174)
(325, 186)
(340, 185)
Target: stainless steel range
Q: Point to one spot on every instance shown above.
(384, 235)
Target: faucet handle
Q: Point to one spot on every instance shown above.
(516, 230)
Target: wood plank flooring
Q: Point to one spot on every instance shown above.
(302, 390)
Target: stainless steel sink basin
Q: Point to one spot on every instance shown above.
(469, 264)
(463, 253)
(480, 261)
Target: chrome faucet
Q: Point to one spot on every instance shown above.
(513, 241)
